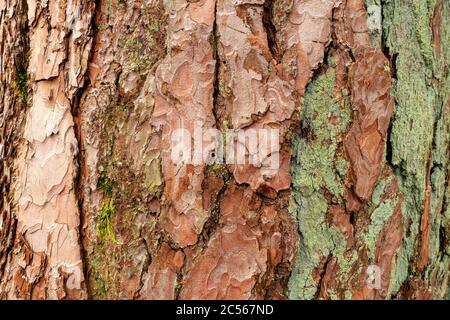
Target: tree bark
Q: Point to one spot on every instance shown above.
(93, 206)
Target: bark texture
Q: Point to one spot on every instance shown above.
(92, 207)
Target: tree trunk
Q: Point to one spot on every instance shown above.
(94, 207)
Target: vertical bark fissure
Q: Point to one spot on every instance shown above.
(14, 89)
(214, 43)
(76, 110)
(270, 29)
(321, 277)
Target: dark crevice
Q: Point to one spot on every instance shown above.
(302, 128)
(393, 65)
(353, 220)
(216, 93)
(80, 156)
(389, 147)
(443, 239)
(179, 285)
(212, 223)
(384, 46)
(393, 68)
(270, 29)
(145, 266)
(391, 56)
(444, 231)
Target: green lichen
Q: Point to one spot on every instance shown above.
(419, 142)
(135, 48)
(155, 25)
(331, 61)
(382, 212)
(374, 22)
(413, 118)
(323, 122)
(316, 154)
(420, 125)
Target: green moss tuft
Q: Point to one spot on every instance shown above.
(105, 186)
(20, 84)
(105, 228)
